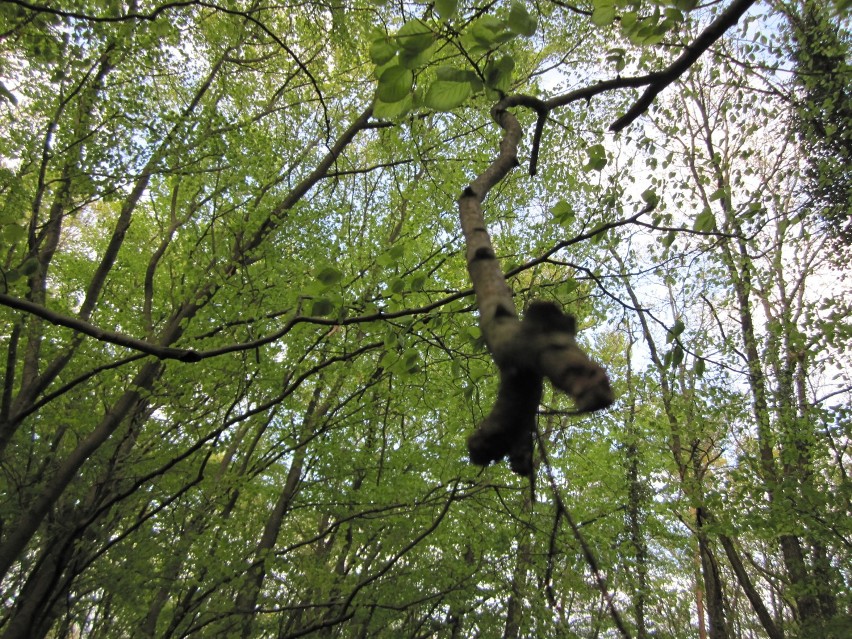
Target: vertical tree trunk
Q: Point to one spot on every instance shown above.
(712, 583)
(635, 504)
(523, 562)
(699, 594)
(766, 620)
(248, 594)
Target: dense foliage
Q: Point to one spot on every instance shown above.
(242, 353)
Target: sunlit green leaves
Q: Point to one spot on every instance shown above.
(395, 83)
(596, 158)
(352, 342)
(446, 95)
(413, 47)
(520, 21)
(446, 9)
(498, 73)
(642, 26)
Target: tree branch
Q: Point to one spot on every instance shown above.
(659, 81)
(543, 345)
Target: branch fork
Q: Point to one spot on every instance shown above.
(542, 345)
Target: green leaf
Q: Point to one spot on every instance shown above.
(392, 110)
(616, 57)
(603, 15)
(453, 74)
(329, 275)
(718, 194)
(446, 9)
(12, 233)
(520, 21)
(381, 51)
(486, 31)
(395, 84)
(704, 221)
(650, 197)
(597, 158)
(685, 5)
(388, 360)
(410, 361)
(629, 22)
(563, 213)
(415, 36)
(322, 307)
(411, 59)
(444, 95)
(675, 331)
(498, 73)
(397, 286)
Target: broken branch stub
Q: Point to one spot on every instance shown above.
(550, 335)
(543, 345)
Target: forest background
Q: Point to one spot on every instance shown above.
(242, 352)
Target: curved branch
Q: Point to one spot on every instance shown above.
(654, 83)
(724, 21)
(81, 326)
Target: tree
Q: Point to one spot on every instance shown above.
(822, 63)
(244, 251)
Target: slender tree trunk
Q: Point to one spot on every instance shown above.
(766, 620)
(712, 583)
(741, 271)
(514, 628)
(247, 597)
(699, 594)
(635, 504)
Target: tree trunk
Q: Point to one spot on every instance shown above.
(523, 563)
(766, 620)
(712, 583)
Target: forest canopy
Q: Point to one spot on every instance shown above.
(273, 274)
